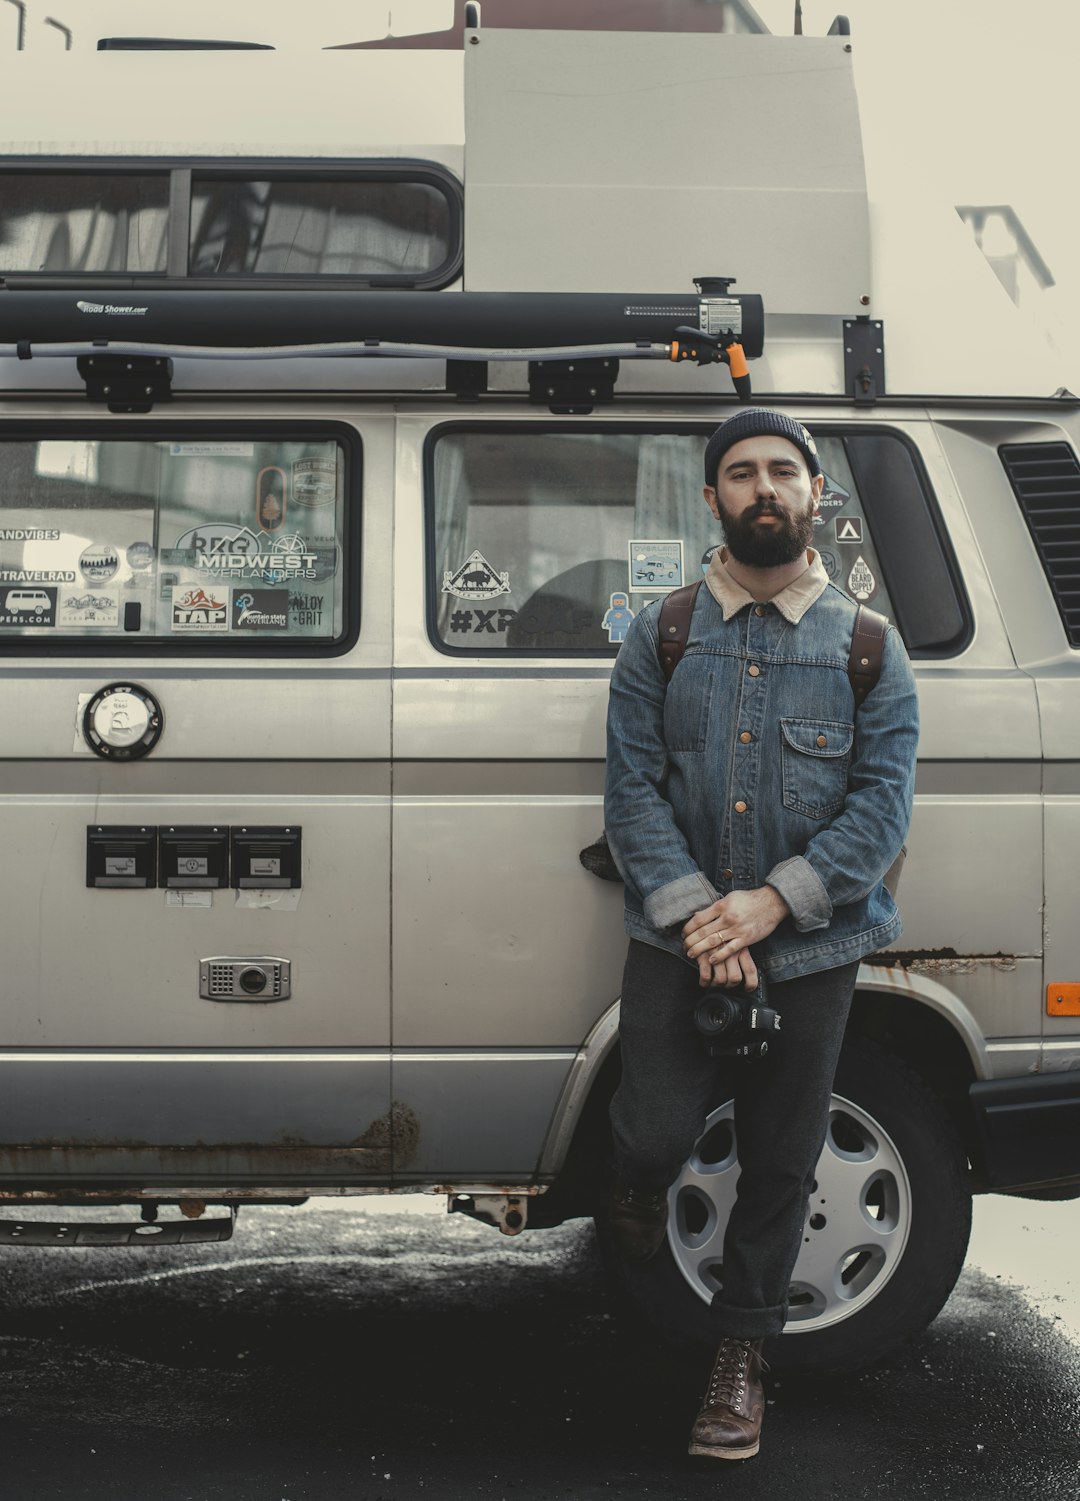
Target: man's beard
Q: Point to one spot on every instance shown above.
(767, 546)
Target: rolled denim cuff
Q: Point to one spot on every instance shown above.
(672, 905)
(802, 888)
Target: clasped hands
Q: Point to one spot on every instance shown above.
(718, 938)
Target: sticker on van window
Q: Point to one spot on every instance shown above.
(861, 582)
(37, 576)
(475, 579)
(848, 528)
(831, 563)
(617, 618)
(29, 534)
(98, 564)
(656, 567)
(270, 498)
(260, 609)
(140, 555)
(89, 609)
(833, 494)
(314, 482)
(306, 610)
(212, 450)
(199, 609)
(236, 552)
(488, 622)
(708, 555)
(21, 606)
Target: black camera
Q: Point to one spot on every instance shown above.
(731, 1024)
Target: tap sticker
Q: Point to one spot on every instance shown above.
(617, 619)
(314, 482)
(476, 579)
(20, 606)
(78, 610)
(199, 609)
(260, 609)
(98, 564)
(656, 567)
(848, 529)
(833, 494)
(861, 582)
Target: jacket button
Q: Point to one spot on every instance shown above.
(746, 737)
(728, 875)
(821, 740)
(759, 609)
(740, 807)
(753, 670)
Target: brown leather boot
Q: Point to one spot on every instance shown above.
(729, 1423)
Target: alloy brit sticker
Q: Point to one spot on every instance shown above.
(475, 579)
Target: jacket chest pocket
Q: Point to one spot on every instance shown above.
(816, 755)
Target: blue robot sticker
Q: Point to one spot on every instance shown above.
(617, 619)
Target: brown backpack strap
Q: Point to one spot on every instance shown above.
(674, 626)
(867, 650)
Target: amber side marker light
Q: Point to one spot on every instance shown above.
(1063, 1000)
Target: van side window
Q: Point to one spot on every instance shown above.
(380, 222)
(193, 541)
(1045, 478)
(548, 540)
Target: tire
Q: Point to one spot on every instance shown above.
(868, 1277)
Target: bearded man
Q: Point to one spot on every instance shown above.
(752, 813)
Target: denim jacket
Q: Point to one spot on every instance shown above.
(752, 767)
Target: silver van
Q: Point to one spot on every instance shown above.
(361, 452)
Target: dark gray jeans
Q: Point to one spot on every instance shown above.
(669, 1084)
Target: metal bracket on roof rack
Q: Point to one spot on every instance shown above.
(864, 359)
(128, 382)
(572, 385)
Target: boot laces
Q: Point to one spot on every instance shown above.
(730, 1374)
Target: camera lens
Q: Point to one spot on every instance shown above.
(717, 1013)
(253, 981)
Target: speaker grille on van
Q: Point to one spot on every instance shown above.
(1046, 481)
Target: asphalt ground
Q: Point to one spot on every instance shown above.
(358, 1350)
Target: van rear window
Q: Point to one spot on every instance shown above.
(546, 540)
(192, 540)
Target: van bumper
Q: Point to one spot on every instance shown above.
(1027, 1130)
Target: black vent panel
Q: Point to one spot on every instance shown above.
(1046, 481)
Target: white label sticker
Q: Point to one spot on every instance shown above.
(189, 898)
(212, 450)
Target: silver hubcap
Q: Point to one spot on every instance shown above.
(857, 1220)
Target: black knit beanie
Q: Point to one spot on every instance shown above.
(754, 422)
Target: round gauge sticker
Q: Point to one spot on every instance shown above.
(122, 722)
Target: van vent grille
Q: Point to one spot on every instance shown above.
(1046, 480)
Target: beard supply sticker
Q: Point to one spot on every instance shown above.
(862, 585)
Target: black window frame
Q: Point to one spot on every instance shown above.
(226, 646)
(687, 428)
(181, 171)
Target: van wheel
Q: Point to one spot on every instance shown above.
(886, 1233)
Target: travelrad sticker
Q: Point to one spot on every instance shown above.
(848, 529)
(21, 606)
(199, 609)
(475, 579)
(861, 582)
(655, 567)
(93, 610)
(236, 552)
(314, 482)
(260, 609)
(98, 564)
(37, 576)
